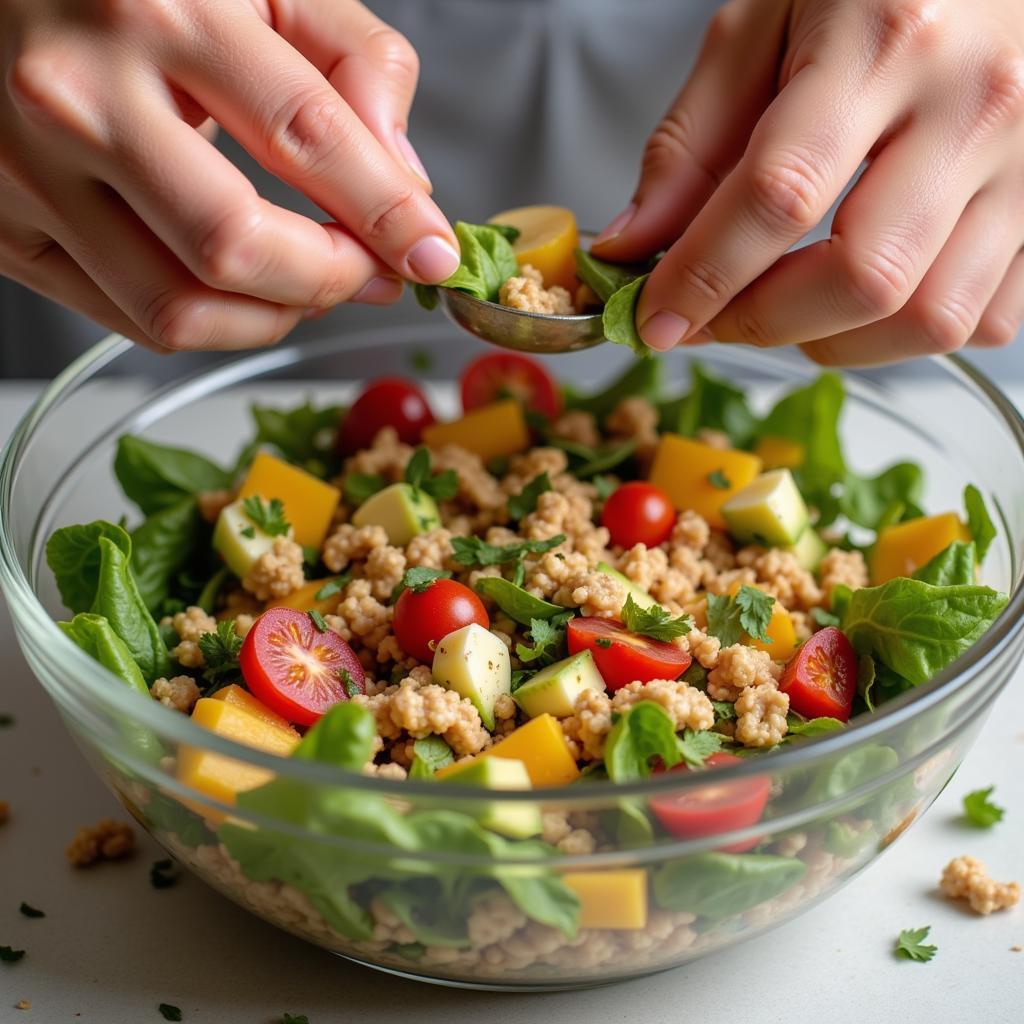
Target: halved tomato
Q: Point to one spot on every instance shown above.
(499, 375)
(821, 678)
(295, 669)
(720, 806)
(623, 657)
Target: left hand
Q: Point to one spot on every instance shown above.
(787, 100)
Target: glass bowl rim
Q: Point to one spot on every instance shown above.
(93, 682)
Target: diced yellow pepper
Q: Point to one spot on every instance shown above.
(780, 452)
(610, 899)
(684, 469)
(782, 645)
(541, 746)
(309, 503)
(490, 431)
(304, 599)
(547, 240)
(245, 701)
(902, 549)
(223, 778)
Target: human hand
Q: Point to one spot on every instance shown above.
(112, 202)
(786, 102)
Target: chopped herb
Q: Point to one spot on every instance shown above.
(654, 622)
(30, 911)
(980, 810)
(718, 479)
(357, 487)
(748, 612)
(429, 753)
(422, 361)
(910, 945)
(824, 618)
(724, 711)
(473, 551)
(164, 874)
(418, 579)
(441, 486)
(519, 576)
(220, 650)
(417, 469)
(310, 556)
(6, 720)
(547, 636)
(267, 515)
(603, 642)
(9, 955)
(498, 465)
(169, 1012)
(318, 620)
(605, 486)
(697, 746)
(332, 587)
(525, 502)
(248, 532)
(351, 689)
(520, 677)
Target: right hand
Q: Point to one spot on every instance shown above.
(114, 202)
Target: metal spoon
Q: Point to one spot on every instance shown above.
(541, 333)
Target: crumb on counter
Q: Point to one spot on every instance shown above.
(526, 292)
(106, 840)
(967, 878)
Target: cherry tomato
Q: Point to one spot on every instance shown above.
(715, 808)
(388, 402)
(422, 619)
(623, 657)
(501, 375)
(639, 513)
(821, 678)
(295, 669)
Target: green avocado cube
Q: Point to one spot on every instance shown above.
(553, 690)
(239, 540)
(809, 550)
(640, 596)
(770, 511)
(515, 820)
(403, 510)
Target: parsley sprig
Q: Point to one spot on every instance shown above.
(910, 945)
(220, 651)
(654, 621)
(525, 502)
(418, 579)
(267, 515)
(749, 611)
(357, 487)
(547, 636)
(473, 551)
(980, 810)
(441, 486)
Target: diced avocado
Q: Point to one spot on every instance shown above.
(639, 595)
(239, 540)
(809, 550)
(516, 820)
(474, 663)
(404, 511)
(770, 511)
(553, 690)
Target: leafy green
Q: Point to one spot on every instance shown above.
(440, 486)
(474, 551)
(548, 636)
(917, 629)
(169, 1012)
(619, 316)
(846, 840)
(163, 545)
(333, 586)
(303, 435)
(638, 735)
(715, 404)
(719, 480)
(605, 278)
(426, 295)
(525, 502)
(487, 261)
(953, 565)
(641, 379)
(267, 515)
(357, 487)
(605, 486)
(654, 621)
(910, 945)
(720, 885)
(697, 746)
(586, 462)
(514, 601)
(748, 611)
(220, 651)
(419, 579)
(73, 554)
(979, 522)
(980, 810)
(164, 874)
(26, 910)
(9, 955)
(812, 726)
(421, 360)
(851, 771)
(867, 500)
(428, 754)
(155, 476)
(822, 617)
(877, 683)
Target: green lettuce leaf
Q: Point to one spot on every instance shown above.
(155, 476)
(73, 554)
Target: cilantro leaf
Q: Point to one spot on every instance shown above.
(473, 551)
(441, 486)
(718, 479)
(525, 501)
(696, 747)
(547, 636)
(419, 579)
(268, 516)
(220, 651)
(605, 486)
(29, 911)
(654, 622)
(332, 587)
(164, 874)
(520, 677)
(724, 619)
(417, 469)
(9, 955)
(824, 618)
(749, 611)
(357, 487)
(980, 810)
(428, 754)
(724, 710)
(169, 1012)
(910, 945)
(979, 522)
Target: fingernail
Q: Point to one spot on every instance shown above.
(433, 259)
(664, 330)
(379, 291)
(411, 157)
(617, 226)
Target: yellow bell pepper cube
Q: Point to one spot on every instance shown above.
(782, 645)
(610, 899)
(780, 452)
(902, 549)
(309, 503)
(245, 701)
(698, 477)
(541, 746)
(220, 777)
(548, 237)
(304, 599)
(490, 431)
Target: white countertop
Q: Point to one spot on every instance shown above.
(111, 947)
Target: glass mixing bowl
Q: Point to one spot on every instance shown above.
(347, 876)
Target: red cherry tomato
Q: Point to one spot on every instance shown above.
(821, 678)
(501, 375)
(388, 402)
(425, 618)
(639, 513)
(623, 657)
(295, 669)
(715, 808)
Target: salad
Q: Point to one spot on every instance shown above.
(555, 589)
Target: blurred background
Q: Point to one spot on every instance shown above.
(520, 101)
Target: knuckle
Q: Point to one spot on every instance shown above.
(789, 193)
(156, 15)
(390, 215)
(903, 26)
(944, 326)
(179, 322)
(1001, 88)
(878, 281)
(306, 132)
(33, 81)
(228, 251)
(393, 52)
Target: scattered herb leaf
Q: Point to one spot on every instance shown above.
(473, 551)
(351, 689)
(822, 617)
(718, 479)
(547, 636)
(220, 651)
(429, 754)
(603, 642)
(421, 360)
(525, 502)
(605, 486)
(696, 747)
(318, 620)
(29, 911)
(164, 874)
(248, 532)
(654, 621)
(169, 1012)
(749, 611)
(332, 587)
(980, 810)
(910, 945)
(418, 579)
(9, 955)
(267, 515)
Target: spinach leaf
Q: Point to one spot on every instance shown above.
(162, 546)
(429, 754)
(605, 278)
(429, 912)
(156, 476)
(303, 435)
(515, 602)
(715, 404)
(979, 522)
(811, 727)
(867, 500)
(599, 460)
(640, 734)
(619, 317)
(851, 771)
(720, 885)
(877, 683)
(487, 261)
(951, 566)
(94, 635)
(357, 487)
(344, 737)
(917, 629)
(73, 555)
(641, 379)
